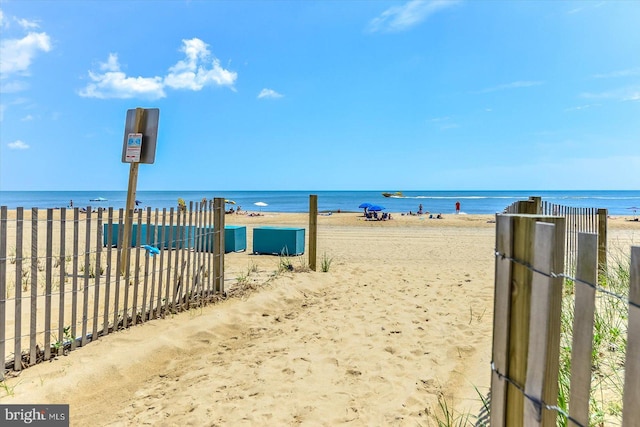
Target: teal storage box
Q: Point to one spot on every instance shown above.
(177, 236)
(278, 240)
(144, 229)
(235, 238)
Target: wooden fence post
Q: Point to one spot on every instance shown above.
(519, 291)
(313, 230)
(131, 197)
(631, 393)
(218, 258)
(602, 240)
(537, 205)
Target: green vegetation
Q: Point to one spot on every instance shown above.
(325, 264)
(609, 345)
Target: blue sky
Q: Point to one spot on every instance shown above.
(326, 95)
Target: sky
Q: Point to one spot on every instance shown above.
(323, 95)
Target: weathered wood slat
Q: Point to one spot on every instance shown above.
(154, 259)
(501, 317)
(107, 285)
(145, 288)
(163, 254)
(17, 350)
(585, 298)
(3, 287)
(87, 274)
(168, 287)
(98, 273)
(34, 288)
(63, 278)
(631, 394)
(210, 253)
(136, 274)
(541, 283)
(74, 281)
(116, 296)
(48, 285)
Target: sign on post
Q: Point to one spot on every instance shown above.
(134, 148)
(147, 128)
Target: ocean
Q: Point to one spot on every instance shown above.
(472, 202)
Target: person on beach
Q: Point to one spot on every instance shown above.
(420, 209)
(457, 207)
(71, 203)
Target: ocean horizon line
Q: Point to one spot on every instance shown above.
(618, 202)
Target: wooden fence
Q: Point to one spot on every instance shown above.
(578, 220)
(529, 285)
(67, 286)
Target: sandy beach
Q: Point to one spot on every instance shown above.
(402, 317)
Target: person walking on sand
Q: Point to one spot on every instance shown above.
(457, 207)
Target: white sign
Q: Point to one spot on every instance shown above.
(134, 148)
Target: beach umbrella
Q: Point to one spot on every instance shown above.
(138, 202)
(365, 205)
(261, 204)
(376, 208)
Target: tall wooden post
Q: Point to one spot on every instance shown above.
(218, 245)
(516, 313)
(313, 230)
(131, 198)
(602, 240)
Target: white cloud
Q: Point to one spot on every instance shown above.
(2, 110)
(27, 118)
(512, 85)
(2, 21)
(12, 86)
(27, 25)
(194, 72)
(412, 13)
(16, 55)
(582, 107)
(630, 72)
(18, 145)
(113, 83)
(269, 93)
(631, 93)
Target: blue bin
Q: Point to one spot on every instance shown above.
(144, 229)
(278, 240)
(235, 238)
(177, 236)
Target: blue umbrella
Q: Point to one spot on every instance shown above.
(376, 208)
(365, 205)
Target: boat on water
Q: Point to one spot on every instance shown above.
(396, 194)
(98, 199)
